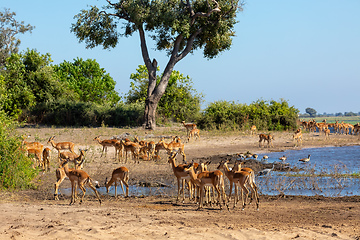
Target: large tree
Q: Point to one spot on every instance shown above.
(9, 29)
(177, 26)
(88, 80)
(180, 101)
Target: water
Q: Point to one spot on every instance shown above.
(329, 160)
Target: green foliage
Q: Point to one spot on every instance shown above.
(311, 112)
(88, 80)
(16, 170)
(180, 101)
(75, 113)
(30, 80)
(165, 20)
(9, 28)
(225, 115)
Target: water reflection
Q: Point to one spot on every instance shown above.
(330, 160)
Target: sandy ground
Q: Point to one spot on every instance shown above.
(33, 214)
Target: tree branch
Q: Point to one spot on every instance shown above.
(201, 14)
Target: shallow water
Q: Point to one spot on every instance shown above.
(330, 160)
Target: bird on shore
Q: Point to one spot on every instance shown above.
(283, 158)
(305, 159)
(266, 171)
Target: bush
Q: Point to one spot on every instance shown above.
(16, 171)
(69, 113)
(222, 115)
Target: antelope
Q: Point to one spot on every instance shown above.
(72, 157)
(253, 129)
(61, 175)
(61, 145)
(106, 143)
(175, 145)
(194, 133)
(189, 126)
(181, 176)
(213, 179)
(46, 159)
(240, 179)
(37, 156)
(297, 136)
(32, 144)
(237, 167)
(81, 178)
(268, 138)
(121, 175)
(132, 147)
(327, 132)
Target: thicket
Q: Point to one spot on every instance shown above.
(273, 115)
(70, 113)
(16, 170)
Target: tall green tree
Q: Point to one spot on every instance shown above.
(88, 80)
(312, 112)
(9, 29)
(180, 100)
(30, 80)
(177, 27)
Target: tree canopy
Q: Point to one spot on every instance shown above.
(88, 80)
(9, 28)
(177, 27)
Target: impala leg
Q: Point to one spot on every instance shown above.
(122, 186)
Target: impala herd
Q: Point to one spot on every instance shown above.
(201, 183)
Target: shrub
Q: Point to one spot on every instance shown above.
(16, 171)
(222, 115)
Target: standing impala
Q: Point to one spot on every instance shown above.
(214, 179)
(61, 146)
(81, 178)
(107, 143)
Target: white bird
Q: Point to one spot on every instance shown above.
(305, 159)
(266, 171)
(283, 158)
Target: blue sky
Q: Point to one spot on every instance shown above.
(306, 52)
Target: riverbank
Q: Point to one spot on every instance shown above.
(33, 214)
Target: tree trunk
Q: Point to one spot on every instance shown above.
(150, 114)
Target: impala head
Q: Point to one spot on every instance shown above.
(50, 139)
(172, 157)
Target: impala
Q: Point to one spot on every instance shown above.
(268, 138)
(61, 175)
(240, 178)
(194, 133)
(46, 159)
(81, 178)
(175, 145)
(189, 126)
(121, 175)
(213, 179)
(72, 157)
(180, 175)
(106, 143)
(61, 145)
(132, 147)
(253, 129)
(297, 136)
